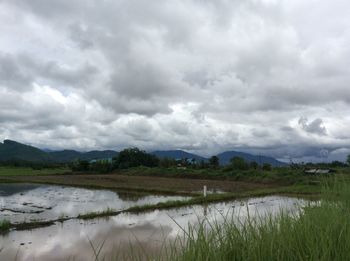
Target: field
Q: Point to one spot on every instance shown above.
(115, 181)
(172, 180)
(321, 231)
(26, 171)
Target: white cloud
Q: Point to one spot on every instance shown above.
(201, 75)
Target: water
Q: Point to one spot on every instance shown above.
(33, 202)
(145, 232)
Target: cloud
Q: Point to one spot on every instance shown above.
(202, 75)
(316, 126)
(11, 73)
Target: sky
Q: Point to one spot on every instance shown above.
(260, 76)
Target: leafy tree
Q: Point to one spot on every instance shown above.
(214, 161)
(184, 162)
(239, 163)
(267, 166)
(134, 157)
(203, 164)
(101, 166)
(81, 165)
(167, 162)
(193, 161)
(253, 165)
(348, 159)
(336, 164)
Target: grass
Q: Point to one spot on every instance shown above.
(320, 232)
(157, 180)
(168, 185)
(5, 225)
(281, 175)
(26, 171)
(32, 224)
(104, 213)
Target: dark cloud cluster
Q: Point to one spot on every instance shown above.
(205, 76)
(316, 126)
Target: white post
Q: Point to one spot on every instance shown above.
(205, 191)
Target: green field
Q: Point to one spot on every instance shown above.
(23, 171)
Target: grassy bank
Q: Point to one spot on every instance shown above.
(321, 232)
(26, 171)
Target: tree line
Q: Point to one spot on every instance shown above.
(134, 157)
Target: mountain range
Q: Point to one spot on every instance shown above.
(226, 156)
(12, 150)
(177, 154)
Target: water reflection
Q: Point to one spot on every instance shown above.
(20, 203)
(11, 189)
(131, 196)
(144, 232)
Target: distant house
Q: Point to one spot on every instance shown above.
(108, 160)
(318, 171)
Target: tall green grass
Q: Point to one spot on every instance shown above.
(319, 232)
(4, 225)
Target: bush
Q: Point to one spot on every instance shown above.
(134, 157)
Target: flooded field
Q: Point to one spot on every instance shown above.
(35, 202)
(120, 235)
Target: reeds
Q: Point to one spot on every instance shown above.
(319, 232)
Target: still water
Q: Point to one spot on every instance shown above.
(33, 202)
(121, 234)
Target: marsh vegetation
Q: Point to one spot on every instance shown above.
(319, 232)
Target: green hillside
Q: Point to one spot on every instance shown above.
(12, 150)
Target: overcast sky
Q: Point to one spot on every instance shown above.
(262, 76)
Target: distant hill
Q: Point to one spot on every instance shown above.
(72, 155)
(177, 154)
(226, 156)
(12, 150)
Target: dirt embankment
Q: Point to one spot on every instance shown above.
(116, 181)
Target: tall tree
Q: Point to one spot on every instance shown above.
(214, 161)
(134, 157)
(267, 166)
(253, 165)
(239, 163)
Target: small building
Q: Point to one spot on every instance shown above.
(318, 171)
